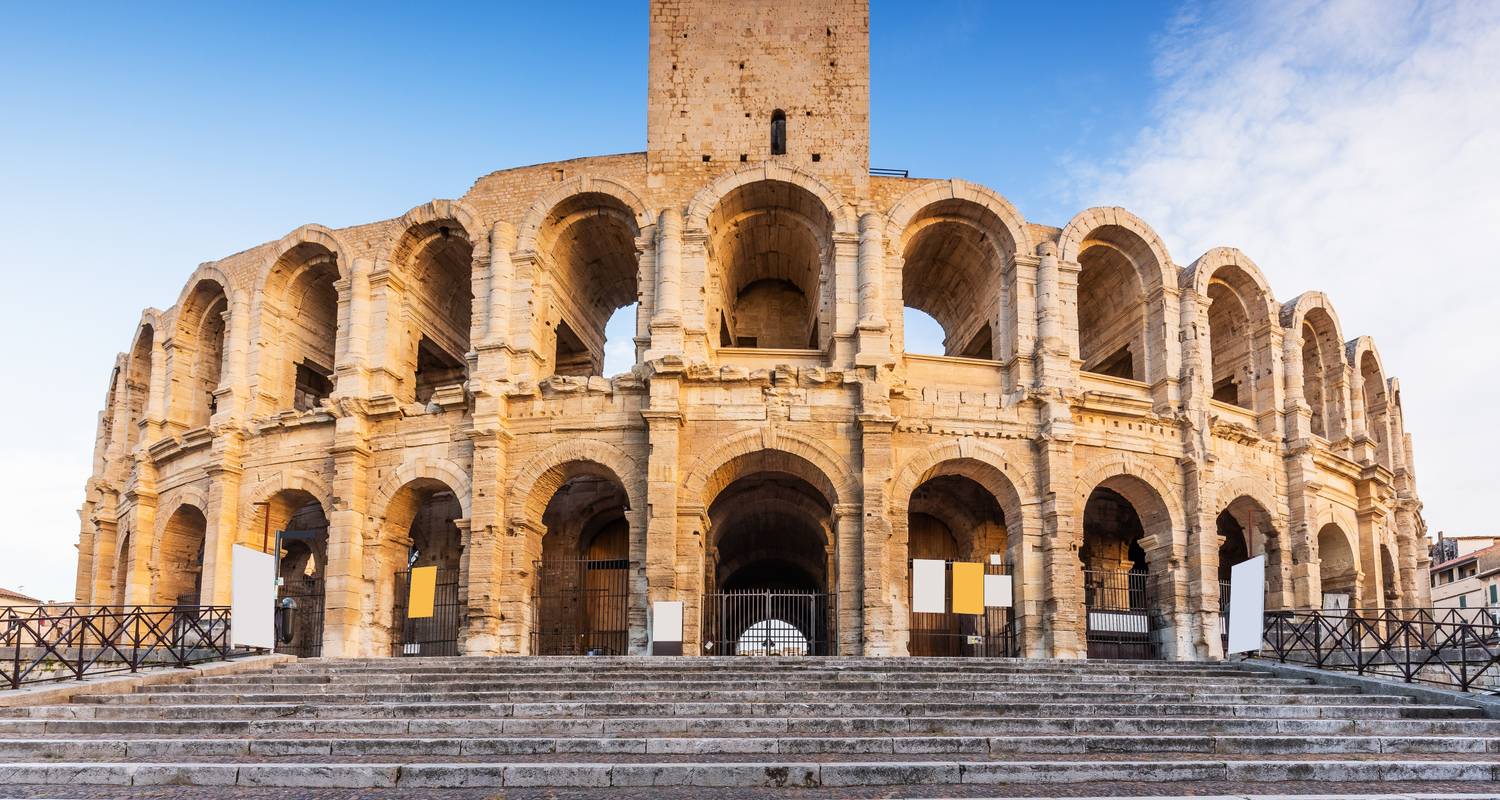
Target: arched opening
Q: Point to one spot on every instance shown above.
(955, 253)
(770, 564)
(588, 246)
(124, 564)
(1111, 310)
(437, 260)
(302, 301)
(1373, 390)
(778, 132)
(138, 386)
(420, 530)
(1230, 345)
(295, 520)
(582, 592)
(1122, 615)
(770, 242)
(953, 518)
(1336, 567)
(1390, 584)
(179, 564)
(200, 337)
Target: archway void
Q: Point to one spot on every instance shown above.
(588, 244)
(582, 591)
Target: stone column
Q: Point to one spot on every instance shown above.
(880, 566)
(351, 367)
(485, 567)
(346, 587)
(387, 326)
(848, 577)
(1053, 353)
(1061, 536)
(668, 541)
(873, 346)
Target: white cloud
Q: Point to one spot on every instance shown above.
(1352, 147)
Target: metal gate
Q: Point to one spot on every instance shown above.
(767, 622)
(299, 625)
(990, 634)
(431, 636)
(1224, 615)
(1121, 613)
(582, 607)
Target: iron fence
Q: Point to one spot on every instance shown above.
(1224, 615)
(299, 623)
(436, 635)
(583, 607)
(57, 643)
(1449, 647)
(990, 634)
(1121, 616)
(767, 622)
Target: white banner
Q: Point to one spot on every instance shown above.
(252, 599)
(929, 589)
(666, 621)
(997, 591)
(1247, 605)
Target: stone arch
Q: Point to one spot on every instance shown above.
(582, 238)
(298, 319)
(709, 197)
(177, 550)
(1242, 317)
(533, 486)
(824, 469)
(956, 244)
(530, 228)
(1243, 509)
(1122, 297)
(139, 366)
(1314, 338)
(986, 465)
(1370, 389)
(198, 348)
(1338, 560)
(438, 249)
(283, 480)
(440, 470)
(1146, 475)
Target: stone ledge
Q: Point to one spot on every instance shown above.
(125, 683)
(1370, 684)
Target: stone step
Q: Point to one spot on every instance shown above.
(425, 748)
(738, 695)
(740, 726)
(790, 773)
(590, 710)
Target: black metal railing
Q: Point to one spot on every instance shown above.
(767, 622)
(582, 607)
(299, 617)
(888, 173)
(991, 634)
(1121, 618)
(1453, 647)
(436, 635)
(67, 642)
(1224, 615)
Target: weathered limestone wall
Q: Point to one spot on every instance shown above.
(208, 414)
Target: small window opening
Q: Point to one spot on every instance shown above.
(436, 368)
(817, 157)
(707, 158)
(573, 357)
(1118, 365)
(1225, 391)
(744, 157)
(778, 133)
(314, 384)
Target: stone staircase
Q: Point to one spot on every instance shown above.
(942, 724)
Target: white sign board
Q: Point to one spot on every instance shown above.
(929, 585)
(252, 599)
(1335, 601)
(997, 590)
(666, 621)
(1247, 605)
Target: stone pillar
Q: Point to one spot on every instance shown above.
(670, 541)
(485, 567)
(1026, 550)
(843, 285)
(874, 345)
(351, 367)
(1196, 603)
(225, 474)
(668, 311)
(346, 588)
(879, 586)
(387, 328)
(1061, 537)
(1053, 352)
(848, 577)
(1021, 299)
(156, 404)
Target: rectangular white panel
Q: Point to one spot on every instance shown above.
(997, 589)
(1335, 601)
(252, 599)
(929, 584)
(666, 621)
(1247, 605)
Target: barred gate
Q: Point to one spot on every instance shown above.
(1224, 615)
(768, 622)
(1121, 613)
(986, 635)
(299, 627)
(582, 607)
(432, 636)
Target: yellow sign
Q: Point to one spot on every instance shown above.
(968, 588)
(423, 587)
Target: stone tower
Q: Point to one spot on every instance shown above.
(723, 72)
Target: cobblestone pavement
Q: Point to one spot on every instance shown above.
(1467, 790)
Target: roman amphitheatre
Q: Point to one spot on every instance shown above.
(1111, 425)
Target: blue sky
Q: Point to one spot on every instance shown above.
(139, 141)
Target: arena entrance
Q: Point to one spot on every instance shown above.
(1120, 603)
(954, 518)
(582, 589)
(432, 540)
(293, 524)
(769, 569)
